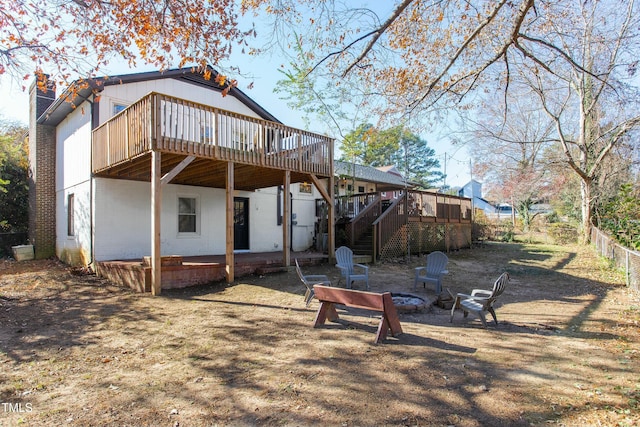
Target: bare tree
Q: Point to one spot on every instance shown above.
(416, 57)
(508, 142)
(591, 107)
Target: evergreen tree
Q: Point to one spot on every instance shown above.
(397, 146)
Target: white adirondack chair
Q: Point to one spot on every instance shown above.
(481, 300)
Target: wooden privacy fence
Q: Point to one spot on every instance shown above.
(169, 124)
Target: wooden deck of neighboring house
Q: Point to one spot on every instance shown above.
(180, 272)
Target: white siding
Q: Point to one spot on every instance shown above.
(128, 93)
(73, 171)
(121, 209)
(73, 151)
(123, 221)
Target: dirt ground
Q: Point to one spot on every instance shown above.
(78, 351)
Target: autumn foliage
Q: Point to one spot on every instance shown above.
(79, 38)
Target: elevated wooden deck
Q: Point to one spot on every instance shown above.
(207, 138)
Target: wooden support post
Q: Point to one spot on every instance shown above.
(230, 260)
(156, 208)
(328, 196)
(286, 220)
(331, 237)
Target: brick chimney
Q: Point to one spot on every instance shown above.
(42, 174)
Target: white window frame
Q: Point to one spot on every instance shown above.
(117, 107)
(196, 214)
(71, 220)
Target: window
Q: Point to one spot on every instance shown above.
(305, 187)
(361, 189)
(206, 134)
(240, 140)
(117, 108)
(70, 216)
(187, 215)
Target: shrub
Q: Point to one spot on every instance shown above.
(562, 233)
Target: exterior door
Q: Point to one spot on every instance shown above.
(240, 223)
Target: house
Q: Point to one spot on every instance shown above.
(377, 209)
(357, 184)
(473, 190)
(160, 164)
(353, 178)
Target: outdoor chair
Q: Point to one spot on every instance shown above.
(349, 271)
(433, 272)
(310, 280)
(481, 300)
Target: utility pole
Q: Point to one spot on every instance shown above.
(444, 177)
(473, 196)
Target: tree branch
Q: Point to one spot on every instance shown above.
(519, 18)
(377, 33)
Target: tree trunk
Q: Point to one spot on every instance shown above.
(585, 192)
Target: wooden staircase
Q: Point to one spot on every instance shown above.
(364, 244)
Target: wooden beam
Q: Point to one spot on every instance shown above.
(286, 220)
(175, 171)
(325, 195)
(156, 208)
(230, 260)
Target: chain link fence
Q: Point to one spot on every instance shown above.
(623, 258)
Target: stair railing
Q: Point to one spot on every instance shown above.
(387, 224)
(362, 222)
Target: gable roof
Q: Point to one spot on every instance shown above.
(81, 90)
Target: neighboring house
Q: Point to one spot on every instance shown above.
(161, 163)
(376, 210)
(358, 179)
(473, 190)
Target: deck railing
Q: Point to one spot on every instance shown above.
(175, 125)
(423, 206)
(439, 207)
(350, 206)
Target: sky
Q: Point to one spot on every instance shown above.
(14, 105)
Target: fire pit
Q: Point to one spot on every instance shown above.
(408, 303)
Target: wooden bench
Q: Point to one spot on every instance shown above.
(329, 296)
